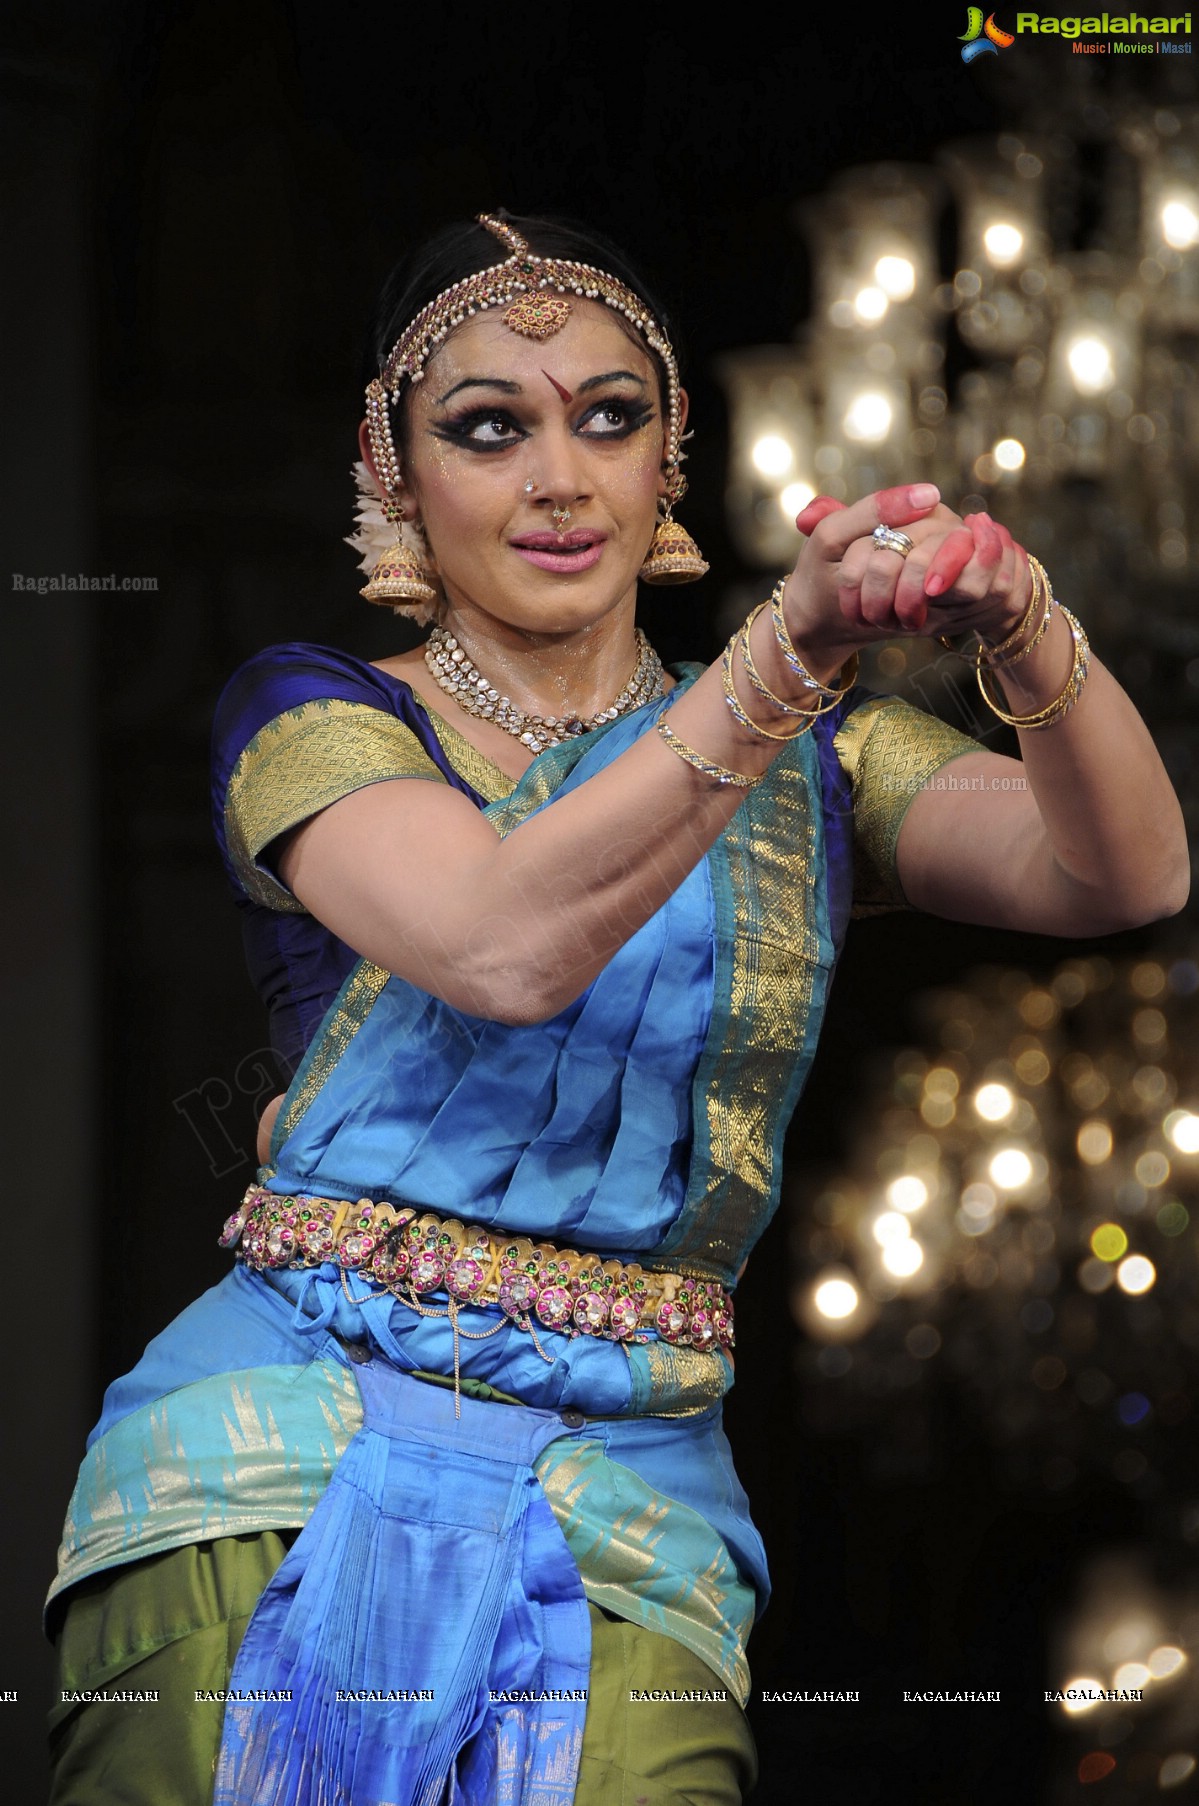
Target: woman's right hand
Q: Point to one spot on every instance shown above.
(846, 592)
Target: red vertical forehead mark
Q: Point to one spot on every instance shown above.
(564, 393)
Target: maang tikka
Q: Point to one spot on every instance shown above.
(535, 293)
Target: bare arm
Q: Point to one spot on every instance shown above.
(414, 878)
(1091, 842)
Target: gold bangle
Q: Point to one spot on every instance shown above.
(762, 687)
(791, 657)
(1061, 705)
(740, 715)
(751, 670)
(1042, 590)
(720, 773)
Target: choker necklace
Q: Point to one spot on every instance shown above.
(462, 680)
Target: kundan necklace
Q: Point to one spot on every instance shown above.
(459, 678)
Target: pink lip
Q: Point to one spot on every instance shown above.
(554, 542)
(548, 551)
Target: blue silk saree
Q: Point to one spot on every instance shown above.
(426, 1638)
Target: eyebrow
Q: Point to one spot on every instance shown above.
(510, 388)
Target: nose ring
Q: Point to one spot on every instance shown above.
(560, 517)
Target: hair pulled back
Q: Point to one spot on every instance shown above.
(458, 251)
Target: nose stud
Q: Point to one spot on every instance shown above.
(530, 486)
(560, 518)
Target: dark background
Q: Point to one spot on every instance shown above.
(200, 203)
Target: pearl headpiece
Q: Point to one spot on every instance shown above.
(536, 293)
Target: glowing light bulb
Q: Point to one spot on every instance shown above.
(870, 304)
(795, 498)
(1008, 454)
(1136, 1274)
(1180, 225)
(1090, 361)
(1003, 244)
(896, 276)
(994, 1103)
(868, 418)
(836, 1298)
(907, 1193)
(772, 455)
(1010, 1168)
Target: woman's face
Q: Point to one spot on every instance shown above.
(579, 416)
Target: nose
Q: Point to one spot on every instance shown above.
(558, 469)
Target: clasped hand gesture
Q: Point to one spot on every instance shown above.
(846, 591)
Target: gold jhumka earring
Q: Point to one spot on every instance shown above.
(673, 555)
(400, 578)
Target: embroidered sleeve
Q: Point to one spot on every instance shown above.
(888, 749)
(297, 764)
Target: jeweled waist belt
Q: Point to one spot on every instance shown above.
(413, 1254)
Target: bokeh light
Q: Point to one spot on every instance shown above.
(994, 1102)
(903, 1258)
(896, 276)
(1010, 1168)
(1182, 1127)
(1109, 1241)
(836, 1298)
(1090, 361)
(908, 1193)
(1003, 244)
(1136, 1274)
(772, 455)
(868, 418)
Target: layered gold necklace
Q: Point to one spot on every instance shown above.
(460, 678)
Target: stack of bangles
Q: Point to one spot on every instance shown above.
(804, 718)
(1010, 652)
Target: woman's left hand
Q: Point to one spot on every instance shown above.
(961, 574)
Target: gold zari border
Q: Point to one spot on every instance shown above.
(888, 749)
(299, 763)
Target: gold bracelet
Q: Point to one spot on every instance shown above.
(705, 767)
(1061, 705)
(1042, 590)
(791, 657)
(739, 714)
(1010, 640)
(764, 690)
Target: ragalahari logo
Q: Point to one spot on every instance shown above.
(981, 39)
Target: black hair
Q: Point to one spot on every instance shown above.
(459, 251)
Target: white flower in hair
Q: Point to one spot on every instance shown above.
(375, 533)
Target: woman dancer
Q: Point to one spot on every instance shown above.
(419, 1502)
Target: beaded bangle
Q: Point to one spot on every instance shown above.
(739, 714)
(705, 767)
(762, 687)
(791, 657)
(1061, 705)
